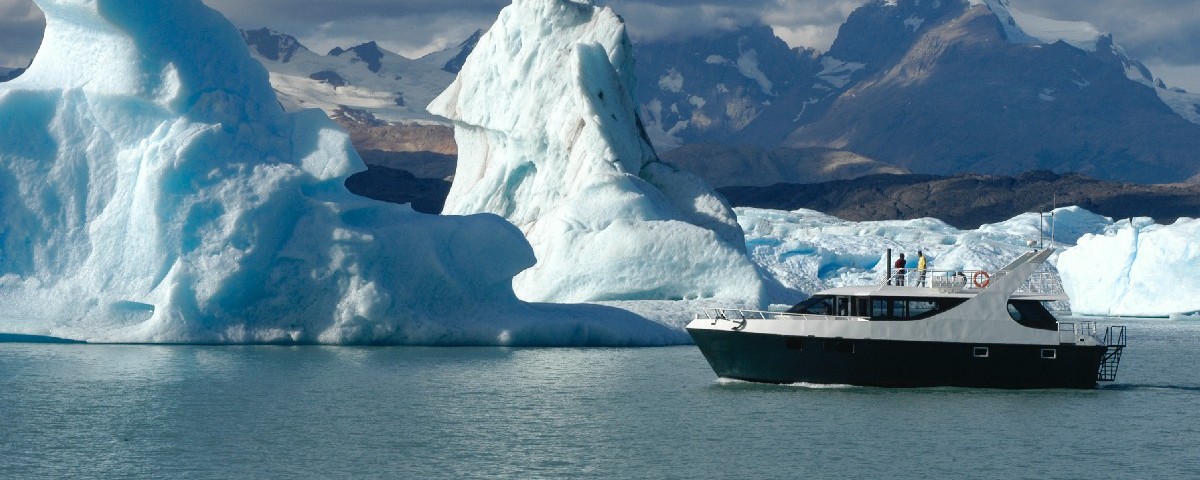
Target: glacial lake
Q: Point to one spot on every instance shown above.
(124, 411)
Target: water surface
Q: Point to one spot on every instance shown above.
(394, 412)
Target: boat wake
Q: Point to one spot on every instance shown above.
(1135, 387)
(813, 386)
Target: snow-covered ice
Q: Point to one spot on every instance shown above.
(153, 190)
(806, 251)
(1135, 267)
(1128, 267)
(549, 139)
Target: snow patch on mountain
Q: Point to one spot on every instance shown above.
(1021, 27)
(747, 64)
(549, 139)
(836, 72)
(671, 82)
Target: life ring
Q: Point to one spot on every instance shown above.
(982, 279)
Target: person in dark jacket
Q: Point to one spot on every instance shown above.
(900, 263)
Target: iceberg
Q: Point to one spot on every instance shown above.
(1135, 267)
(549, 139)
(153, 190)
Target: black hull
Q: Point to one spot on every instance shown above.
(887, 363)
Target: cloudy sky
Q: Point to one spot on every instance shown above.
(1164, 34)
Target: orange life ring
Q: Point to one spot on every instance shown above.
(986, 279)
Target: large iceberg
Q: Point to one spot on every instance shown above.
(153, 190)
(549, 138)
(1135, 267)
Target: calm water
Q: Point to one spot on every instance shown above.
(199, 412)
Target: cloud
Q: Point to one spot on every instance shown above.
(1164, 33)
(21, 26)
(1147, 29)
(409, 27)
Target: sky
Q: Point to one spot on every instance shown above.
(1163, 34)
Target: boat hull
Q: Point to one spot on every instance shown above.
(772, 358)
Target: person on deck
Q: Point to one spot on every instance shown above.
(920, 269)
(900, 263)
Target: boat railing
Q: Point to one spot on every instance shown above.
(942, 280)
(948, 281)
(1072, 332)
(739, 315)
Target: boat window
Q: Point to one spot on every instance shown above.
(981, 352)
(1049, 353)
(816, 305)
(843, 306)
(862, 306)
(920, 308)
(1032, 314)
(911, 308)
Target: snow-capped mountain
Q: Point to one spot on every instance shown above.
(936, 86)
(710, 89)
(377, 95)
(364, 79)
(948, 87)
(942, 86)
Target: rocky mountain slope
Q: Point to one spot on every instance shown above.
(954, 87)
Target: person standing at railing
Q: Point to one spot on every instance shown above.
(899, 266)
(920, 269)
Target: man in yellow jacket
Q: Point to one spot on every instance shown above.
(920, 269)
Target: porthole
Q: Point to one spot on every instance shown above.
(1049, 353)
(981, 352)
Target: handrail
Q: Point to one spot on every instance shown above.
(1044, 282)
(740, 314)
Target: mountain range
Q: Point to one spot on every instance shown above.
(933, 87)
(909, 86)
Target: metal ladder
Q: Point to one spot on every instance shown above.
(1114, 339)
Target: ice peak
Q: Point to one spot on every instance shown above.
(148, 50)
(564, 157)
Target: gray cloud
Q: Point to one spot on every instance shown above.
(21, 26)
(1165, 34)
